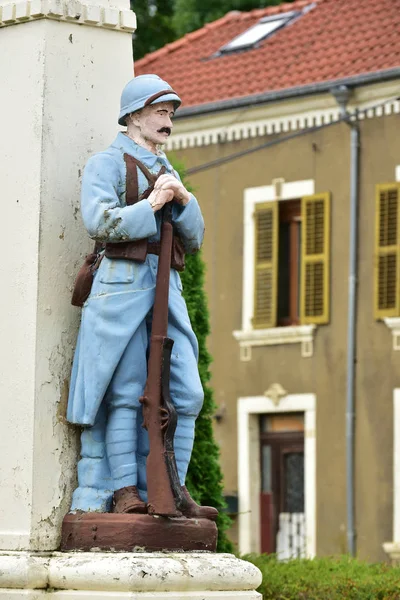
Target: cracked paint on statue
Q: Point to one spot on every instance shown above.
(110, 364)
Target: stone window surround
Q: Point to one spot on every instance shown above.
(393, 323)
(249, 409)
(247, 336)
(393, 548)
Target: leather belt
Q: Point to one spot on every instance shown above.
(153, 248)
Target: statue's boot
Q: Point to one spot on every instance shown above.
(127, 500)
(195, 511)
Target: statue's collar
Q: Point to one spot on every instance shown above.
(124, 143)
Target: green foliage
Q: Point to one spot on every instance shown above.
(204, 479)
(193, 14)
(155, 26)
(341, 578)
(163, 21)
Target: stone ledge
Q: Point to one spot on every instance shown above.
(78, 595)
(157, 575)
(65, 10)
(392, 549)
(393, 323)
(294, 334)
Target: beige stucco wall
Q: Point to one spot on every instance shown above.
(324, 157)
(378, 367)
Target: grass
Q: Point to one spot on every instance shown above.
(339, 578)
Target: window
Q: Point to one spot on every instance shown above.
(387, 251)
(258, 32)
(291, 279)
(289, 262)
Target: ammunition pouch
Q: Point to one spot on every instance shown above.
(139, 249)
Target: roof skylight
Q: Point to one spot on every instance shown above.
(259, 31)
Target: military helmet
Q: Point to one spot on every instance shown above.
(144, 90)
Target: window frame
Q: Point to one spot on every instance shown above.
(249, 336)
(283, 18)
(386, 250)
(278, 191)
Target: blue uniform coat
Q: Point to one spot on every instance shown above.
(123, 291)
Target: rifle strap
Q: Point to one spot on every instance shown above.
(132, 185)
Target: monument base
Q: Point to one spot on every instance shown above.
(123, 576)
(135, 532)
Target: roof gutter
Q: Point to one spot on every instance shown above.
(294, 92)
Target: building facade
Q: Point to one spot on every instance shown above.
(274, 179)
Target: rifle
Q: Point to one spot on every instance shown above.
(165, 496)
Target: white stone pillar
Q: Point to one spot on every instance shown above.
(63, 65)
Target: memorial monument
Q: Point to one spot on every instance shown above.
(64, 64)
(144, 221)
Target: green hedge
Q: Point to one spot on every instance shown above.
(341, 578)
(204, 478)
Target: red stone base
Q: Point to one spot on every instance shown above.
(134, 532)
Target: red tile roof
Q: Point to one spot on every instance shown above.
(334, 40)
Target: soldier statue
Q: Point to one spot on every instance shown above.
(124, 189)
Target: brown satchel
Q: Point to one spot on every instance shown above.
(84, 279)
(135, 250)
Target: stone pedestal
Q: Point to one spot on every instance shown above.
(127, 532)
(63, 65)
(94, 576)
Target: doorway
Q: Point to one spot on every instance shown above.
(282, 498)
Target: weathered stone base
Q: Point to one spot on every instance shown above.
(135, 532)
(122, 576)
(76, 595)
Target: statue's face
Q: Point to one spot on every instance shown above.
(155, 122)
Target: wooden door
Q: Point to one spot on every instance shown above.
(282, 473)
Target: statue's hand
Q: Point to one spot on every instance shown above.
(169, 182)
(159, 197)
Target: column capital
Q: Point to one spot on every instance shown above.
(111, 14)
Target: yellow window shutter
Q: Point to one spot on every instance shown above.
(387, 251)
(266, 264)
(315, 259)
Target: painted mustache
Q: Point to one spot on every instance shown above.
(166, 130)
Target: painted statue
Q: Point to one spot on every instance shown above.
(110, 364)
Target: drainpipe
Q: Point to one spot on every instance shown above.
(342, 95)
(351, 337)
